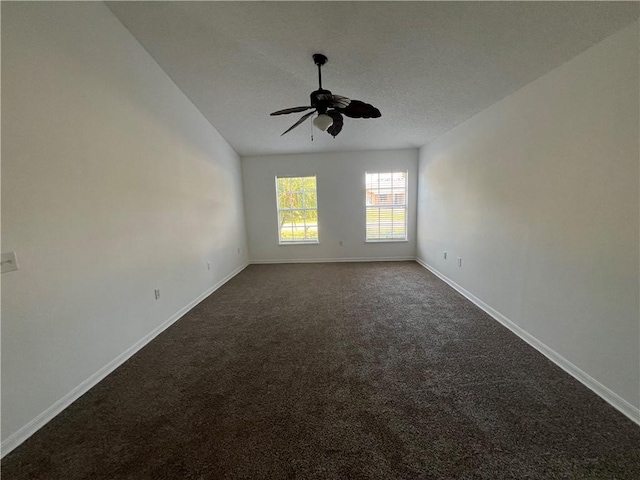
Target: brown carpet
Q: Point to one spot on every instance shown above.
(334, 371)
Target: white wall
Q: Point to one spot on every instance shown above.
(341, 205)
(539, 195)
(113, 185)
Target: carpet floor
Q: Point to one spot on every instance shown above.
(334, 371)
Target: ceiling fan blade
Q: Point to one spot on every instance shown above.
(334, 100)
(302, 119)
(291, 110)
(338, 121)
(358, 109)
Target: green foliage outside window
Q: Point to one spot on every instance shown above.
(297, 209)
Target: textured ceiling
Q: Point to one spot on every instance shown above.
(427, 66)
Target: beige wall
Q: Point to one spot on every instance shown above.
(113, 185)
(539, 196)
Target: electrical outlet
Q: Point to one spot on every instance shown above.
(157, 293)
(459, 261)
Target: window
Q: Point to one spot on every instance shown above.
(297, 209)
(386, 206)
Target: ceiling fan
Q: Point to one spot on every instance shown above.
(329, 107)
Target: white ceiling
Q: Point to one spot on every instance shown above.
(427, 66)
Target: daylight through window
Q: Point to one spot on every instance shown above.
(297, 209)
(386, 206)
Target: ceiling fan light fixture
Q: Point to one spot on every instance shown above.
(323, 121)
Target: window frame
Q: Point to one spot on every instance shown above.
(305, 209)
(405, 205)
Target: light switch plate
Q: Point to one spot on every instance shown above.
(9, 262)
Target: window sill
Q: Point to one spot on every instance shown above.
(297, 243)
(386, 240)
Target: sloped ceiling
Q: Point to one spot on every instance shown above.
(427, 66)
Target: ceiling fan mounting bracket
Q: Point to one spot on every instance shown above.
(319, 59)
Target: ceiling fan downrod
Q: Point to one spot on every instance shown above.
(319, 60)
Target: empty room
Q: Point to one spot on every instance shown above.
(320, 240)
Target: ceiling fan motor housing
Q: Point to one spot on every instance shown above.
(320, 105)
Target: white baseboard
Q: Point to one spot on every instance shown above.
(604, 392)
(38, 422)
(334, 260)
